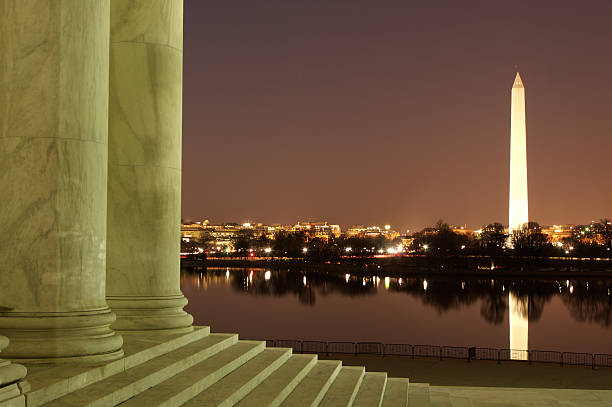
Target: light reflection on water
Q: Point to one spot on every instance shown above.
(572, 315)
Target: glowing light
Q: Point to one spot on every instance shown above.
(305, 249)
(387, 283)
(567, 283)
(425, 246)
(463, 285)
(267, 274)
(364, 282)
(227, 275)
(571, 289)
(348, 249)
(387, 227)
(347, 277)
(425, 285)
(267, 250)
(400, 281)
(462, 246)
(304, 280)
(559, 244)
(251, 276)
(518, 205)
(391, 250)
(246, 225)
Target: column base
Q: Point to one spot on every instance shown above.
(60, 337)
(145, 314)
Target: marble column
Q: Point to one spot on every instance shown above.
(53, 153)
(10, 375)
(144, 166)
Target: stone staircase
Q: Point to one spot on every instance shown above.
(204, 369)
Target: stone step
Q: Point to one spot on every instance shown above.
(48, 384)
(439, 399)
(372, 389)
(418, 395)
(236, 385)
(272, 391)
(122, 386)
(343, 390)
(185, 385)
(311, 390)
(460, 401)
(396, 392)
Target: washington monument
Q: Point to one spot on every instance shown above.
(518, 215)
(518, 158)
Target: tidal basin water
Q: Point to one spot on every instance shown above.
(562, 315)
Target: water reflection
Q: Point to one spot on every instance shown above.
(524, 300)
(563, 315)
(519, 326)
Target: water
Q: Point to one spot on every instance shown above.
(569, 316)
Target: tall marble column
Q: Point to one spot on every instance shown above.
(53, 153)
(144, 164)
(10, 374)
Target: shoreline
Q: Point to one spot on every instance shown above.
(402, 267)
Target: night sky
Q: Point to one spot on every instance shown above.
(397, 112)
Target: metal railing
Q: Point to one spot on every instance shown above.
(444, 352)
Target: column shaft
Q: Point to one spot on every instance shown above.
(144, 185)
(53, 153)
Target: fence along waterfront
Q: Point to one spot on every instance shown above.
(444, 352)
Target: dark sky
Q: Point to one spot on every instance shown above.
(396, 112)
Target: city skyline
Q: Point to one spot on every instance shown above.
(386, 119)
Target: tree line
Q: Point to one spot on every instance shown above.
(441, 240)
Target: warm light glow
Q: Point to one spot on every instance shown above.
(267, 274)
(518, 209)
(267, 250)
(227, 274)
(347, 277)
(387, 227)
(305, 249)
(387, 283)
(519, 326)
(304, 280)
(425, 285)
(425, 247)
(348, 249)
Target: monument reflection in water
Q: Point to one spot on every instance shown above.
(452, 311)
(519, 326)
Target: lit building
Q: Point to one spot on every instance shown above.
(372, 231)
(556, 233)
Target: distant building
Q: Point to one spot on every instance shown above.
(556, 233)
(318, 230)
(372, 231)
